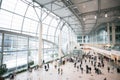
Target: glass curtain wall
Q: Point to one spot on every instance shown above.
(23, 17)
(18, 16)
(65, 39)
(19, 51)
(50, 53)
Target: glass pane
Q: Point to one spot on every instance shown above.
(51, 38)
(51, 31)
(20, 7)
(50, 53)
(45, 29)
(57, 33)
(47, 20)
(9, 5)
(33, 44)
(15, 59)
(22, 58)
(44, 36)
(31, 13)
(65, 29)
(22, 43)
(30, 26)
(9, 58)
(13, 43)
(60, 25)
(17, 22)
(34, 56)
(44, 14)
(10, 42)
(56, 40)
(6, 18)
(54, 23)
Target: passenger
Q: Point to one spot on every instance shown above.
(108, 69)
(77, 68)
(61, 71)
(81, 70)
(58, 70)
(45, 66)
(74, 64)
(1, 78)
(105, 79)
(48, 65)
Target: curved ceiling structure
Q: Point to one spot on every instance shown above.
(83, 15)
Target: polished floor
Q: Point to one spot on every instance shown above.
(70, 73)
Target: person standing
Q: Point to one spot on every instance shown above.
(61, 71)
(105, 79)
(81, 70)
(108, 69)
(58, 70)
(77, 67)
(48, 65)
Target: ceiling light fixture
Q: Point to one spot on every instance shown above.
(75, 7)
(95, 17)
(84, 19)
(106, 15)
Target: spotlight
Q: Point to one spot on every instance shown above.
(106, 15)
(84, 19)
(95, 17)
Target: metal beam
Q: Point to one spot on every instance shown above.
(49, 2)
(81, 21)
(89, 23)
(56, 15)
(72, 5)
(68, 16)
(112, 9)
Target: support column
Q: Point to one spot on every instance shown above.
(96, 37)
(113, 34)
(2, 49)
(0, 3)
(108, 32)
(92, 39)
(29, 53)
(69, 41)
(82, 39)
(40, 53)
(60, 44)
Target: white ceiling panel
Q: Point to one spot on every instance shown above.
(69, 10)
(109, 3)
(63, 12)
(52, 7)
(43, 2)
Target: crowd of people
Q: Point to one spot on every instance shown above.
(87, 63)
(97, 62)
